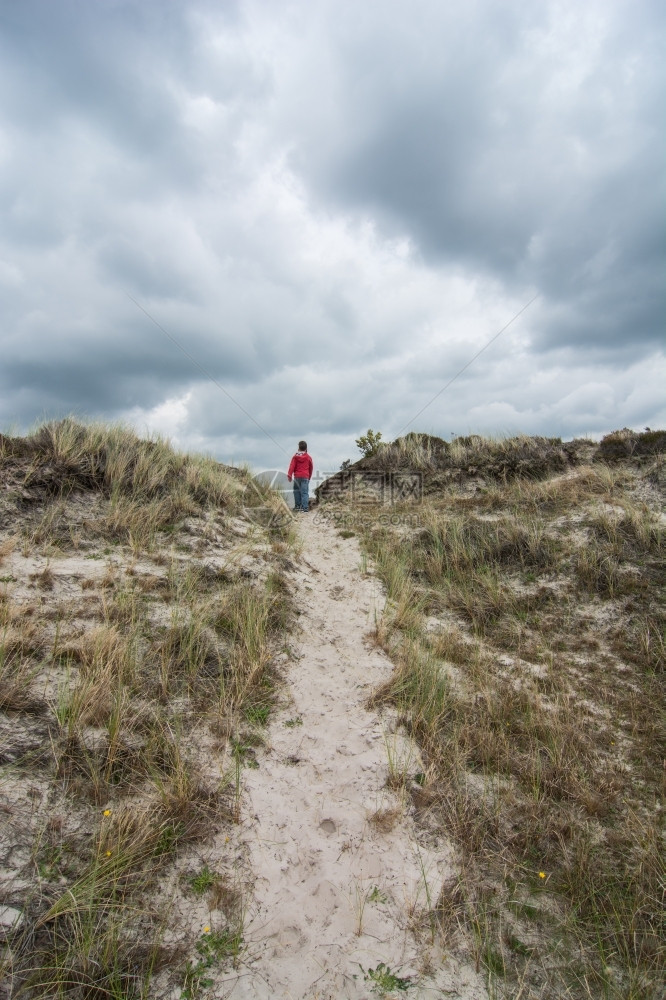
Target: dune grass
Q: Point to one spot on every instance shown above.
(122, 697)
(147, 487)
(527, 627)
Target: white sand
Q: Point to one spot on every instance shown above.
(332, 893)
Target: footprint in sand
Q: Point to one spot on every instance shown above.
(290, 938)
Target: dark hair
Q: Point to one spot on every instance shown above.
(302, 446)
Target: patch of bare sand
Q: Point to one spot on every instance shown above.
(335, 895)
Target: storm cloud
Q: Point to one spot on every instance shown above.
(243, 223)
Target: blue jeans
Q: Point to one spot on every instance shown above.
(301, 493)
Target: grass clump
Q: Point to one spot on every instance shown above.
(203, 881)
(628, 444)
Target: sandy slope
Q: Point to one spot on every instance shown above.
(333, 894)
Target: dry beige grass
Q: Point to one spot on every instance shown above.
(141, 606)
(526, 620)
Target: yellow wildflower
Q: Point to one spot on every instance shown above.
(108, 854)
(206, 930)
(107, 812)
(542, 874)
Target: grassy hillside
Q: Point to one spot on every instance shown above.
(142, 612)
(526, 620)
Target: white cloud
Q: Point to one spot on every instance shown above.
(167, 419)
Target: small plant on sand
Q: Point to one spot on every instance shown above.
(213, 947)
(375, 895)
(384, 980)
(361, 897)
(203, 881)
(385, 819)
(400, 756)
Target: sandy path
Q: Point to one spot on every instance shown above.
(332, 892)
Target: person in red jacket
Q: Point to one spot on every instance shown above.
(300, 469)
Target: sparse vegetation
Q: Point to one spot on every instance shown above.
(212, 949)
(126, 682)
(143, 602)
(525, 617)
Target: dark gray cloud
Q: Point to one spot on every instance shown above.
(331, 208)
(510, 142)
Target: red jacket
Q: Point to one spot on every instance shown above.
(301, 466)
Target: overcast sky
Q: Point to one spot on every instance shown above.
(330, 207)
